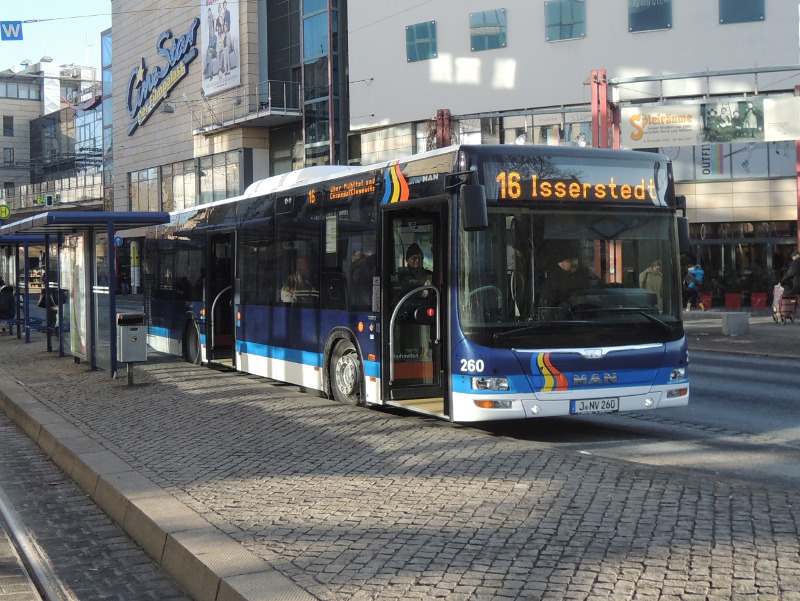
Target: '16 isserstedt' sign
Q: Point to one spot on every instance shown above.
(148, 88)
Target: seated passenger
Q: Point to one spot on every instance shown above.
(298, 287)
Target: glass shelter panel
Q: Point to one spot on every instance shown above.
(104, 329)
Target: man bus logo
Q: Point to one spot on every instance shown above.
(10, 30)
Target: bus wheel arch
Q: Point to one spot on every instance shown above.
(192, 344)
(344, 370)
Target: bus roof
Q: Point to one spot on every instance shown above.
(325, 173)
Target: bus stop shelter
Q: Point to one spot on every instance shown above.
(80, 275)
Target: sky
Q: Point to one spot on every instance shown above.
(69, 32)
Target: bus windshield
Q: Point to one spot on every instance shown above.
(574, 277)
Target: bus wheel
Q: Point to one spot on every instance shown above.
(346, 374)
(191, 344)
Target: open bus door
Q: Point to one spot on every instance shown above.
(219, 300)
(413, 306)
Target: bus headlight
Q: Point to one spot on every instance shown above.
(483, 383)
(678, 374)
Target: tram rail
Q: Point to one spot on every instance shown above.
(34, 561)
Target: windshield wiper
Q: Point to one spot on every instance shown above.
(532, 327)
(632, 311)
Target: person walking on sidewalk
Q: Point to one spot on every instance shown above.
(692, 289)
(791, 278)
(699, 274)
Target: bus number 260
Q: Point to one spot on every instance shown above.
(472, 365)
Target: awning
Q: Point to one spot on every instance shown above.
(70, 222)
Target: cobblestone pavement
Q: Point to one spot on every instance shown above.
(90, 554)
(353, 503)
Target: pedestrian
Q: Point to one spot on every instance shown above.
(699, 274)
(791, 278)
(691, 289)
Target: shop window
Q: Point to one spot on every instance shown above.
(740, 11)
(487, 30)
(564, 20)
(421, 42)
(649, 15)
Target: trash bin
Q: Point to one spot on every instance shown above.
(131, 338)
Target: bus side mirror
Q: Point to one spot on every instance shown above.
(683, 235)
(473, 208)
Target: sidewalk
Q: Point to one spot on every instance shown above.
(246, 490)
(765, 337)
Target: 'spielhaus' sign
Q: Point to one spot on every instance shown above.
(147, 89)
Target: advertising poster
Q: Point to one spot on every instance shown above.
(745, 122)
(219, 35)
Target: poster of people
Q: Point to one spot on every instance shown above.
(738, 121)
(219, 35)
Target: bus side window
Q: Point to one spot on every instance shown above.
(362, 270)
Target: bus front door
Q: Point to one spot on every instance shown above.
(219, 304)
(413, 341)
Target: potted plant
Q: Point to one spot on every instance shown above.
(759, 287)
(733, 290)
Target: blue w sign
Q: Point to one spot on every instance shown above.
(10, 30)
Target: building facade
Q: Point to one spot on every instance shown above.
(208, 99)
(696, 80)
(51, 137)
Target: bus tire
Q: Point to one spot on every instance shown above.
(346, 374)
(192, 350)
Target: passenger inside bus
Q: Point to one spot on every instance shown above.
(298, 287)
(362, 270)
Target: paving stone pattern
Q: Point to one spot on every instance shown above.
(353, 503)
(90, 554)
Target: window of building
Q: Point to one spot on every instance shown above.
(144, 190)
(312, 6)
(8, 126)
(564, 20)
(741, 11)
(487, 30)
(179, 186)
(219, 177)
(421, 42)
(315, 36)
(649, 15)
(70, 93)
(8, 156)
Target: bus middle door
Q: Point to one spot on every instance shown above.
(413, 343)
(219, 308)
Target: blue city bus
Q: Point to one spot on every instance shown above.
(307, 278)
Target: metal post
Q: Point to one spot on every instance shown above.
(48, 308)
(27, 297)
(111, 254)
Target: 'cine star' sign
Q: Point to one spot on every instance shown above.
(147, 89)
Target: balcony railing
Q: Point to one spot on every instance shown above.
(267, 102)
(29, 200)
